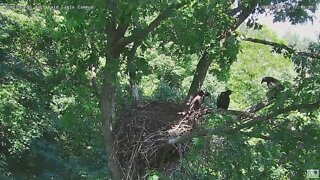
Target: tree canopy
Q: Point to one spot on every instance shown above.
(85, 86)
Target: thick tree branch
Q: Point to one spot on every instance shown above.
(122, 28)
(259, 106)
(254, 120)
(294, 107)
(245, 13)
(152, 26)
(207, 58)
(239, 114)
(283, 46)
(111, 6)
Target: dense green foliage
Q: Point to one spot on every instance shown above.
(50, 99)
(50, 124)
(290, 146)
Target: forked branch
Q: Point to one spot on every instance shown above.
(152, 26)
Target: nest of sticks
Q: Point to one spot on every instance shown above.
(143, 138)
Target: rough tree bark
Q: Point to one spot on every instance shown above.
(108, 119)
(108, 91)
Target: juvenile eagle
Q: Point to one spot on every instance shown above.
(197, 100)
(223, 100)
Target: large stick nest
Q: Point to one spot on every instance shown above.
(144, 135)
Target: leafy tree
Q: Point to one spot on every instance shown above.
(274, 150)
(50, 118)
(117, 27)
(109, 40)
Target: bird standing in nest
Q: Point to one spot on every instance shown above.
(197, 100)
(223, 100)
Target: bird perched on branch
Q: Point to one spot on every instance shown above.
(274, 86)
(197, 100)
(223, 100)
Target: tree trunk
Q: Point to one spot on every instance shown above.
(199, 75)
(108, 116)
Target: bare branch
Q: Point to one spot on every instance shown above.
(283, 46)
